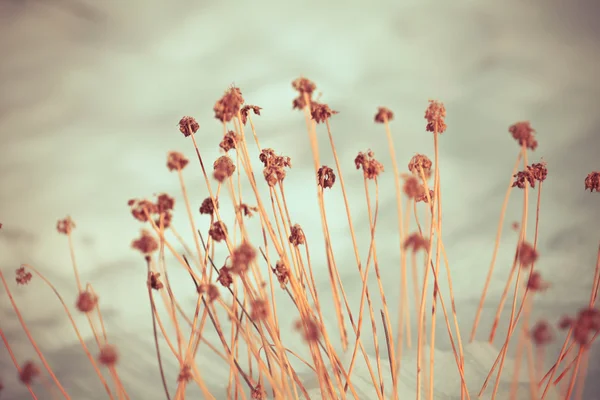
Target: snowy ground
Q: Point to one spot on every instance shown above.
(90, 95)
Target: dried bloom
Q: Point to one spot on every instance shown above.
(274, 171)
(536, 283)
(412, 188)
(29, 371)
(370, 166)
(258, 393)
(418, 162)
(383, 115)
(229, 141)
(146, 243)
(416, 242)
(325, 177)
(65, 226)
(311, 331)
(185, 374)
(207, 206)
(435, 116)
(23, 276)
(523, 133)
(565, 322)
(423, 196)
(223, 168)
(259, 310)
(241, 257)
(246, 110)
(299, 103)
(247, 210)
(522, 178)
(542, 333)
(176, 161)
(320, 112)
(154, 281)
(86, 301)
(165, 203)
(212, 292)
(228, 106)
(527, 254)
(188, 126)
(297, 235)
(282, 273)
(140, 209)
(592, 181)
(303, 85)
(538, 171)
(586, 324)
(218, 231)
(224, 278)
(108, 355)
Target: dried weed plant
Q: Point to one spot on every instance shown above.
(239, 304)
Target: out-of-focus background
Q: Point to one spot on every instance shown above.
(91, 92)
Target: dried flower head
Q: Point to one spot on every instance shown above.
(259, 310)
(422, 197)
(246, 110)
(247, 210)
(565, 322)
(297, 235)
(586, 324)
(435, 114)
(211, 291)
(536, 283)
(65, 226)
(154, 281)
(185, 374)
(325, 177)
(370, 166)
(108, 355)
(415, 242)
(274, 171)
(23, 276)
(218, 231)
(412, 188)
(146, 243)
(165, 203)
(86, 301)
(592, 181)
(420, 162)
(527, 254)
(258, 393)
(228, 106)
(223, 168)
(241, 257)
(383, 115)
(29, 371)
(310, 328)
(176, 161)
(207, 206)
(523, 133)
(541, 333)
(282, 273)
(225, 278)
(229, 141)
(188, 126)
(321, 112)
(539, 171)
(303, 85)
(522, 178)
(141, 209)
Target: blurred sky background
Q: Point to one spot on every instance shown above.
(91, 92)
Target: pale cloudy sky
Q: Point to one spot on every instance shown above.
(91, 94)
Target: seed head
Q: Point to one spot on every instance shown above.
(435, 115)
(274, 171)
(86, 301)
(259, 310)
(211, 291)
(207, 206)
(65, 225)
(218, 231)
(565, 322)
(229, 141)
(524, 177)
(383, 115)
(321, 112)
(592, 181)
(542, 333)
(225, 278)
(241, 257)
(282, 273)
(586, 324)
(154, 281)
(310, 328)
(165, 203)
(523, 133)
(246, 110)
(422, 161)
(258, 393)
(228, 106)
(536, 283)
(140, 209)
(297, 235)
(188, 126)
(23, 276)
(146, 243)
(539, 171)
(527, 254)
(176, 161)
(108, 355)
(223, 168)
(29, 371)
(247, 210)
(185, 374)
(325, 177)
(422, 197)
(412, 188)
(416, 242)
(303, 85)
(370, 166)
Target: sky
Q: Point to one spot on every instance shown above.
(92, 93)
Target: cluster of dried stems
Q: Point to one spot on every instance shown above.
(238, 289)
